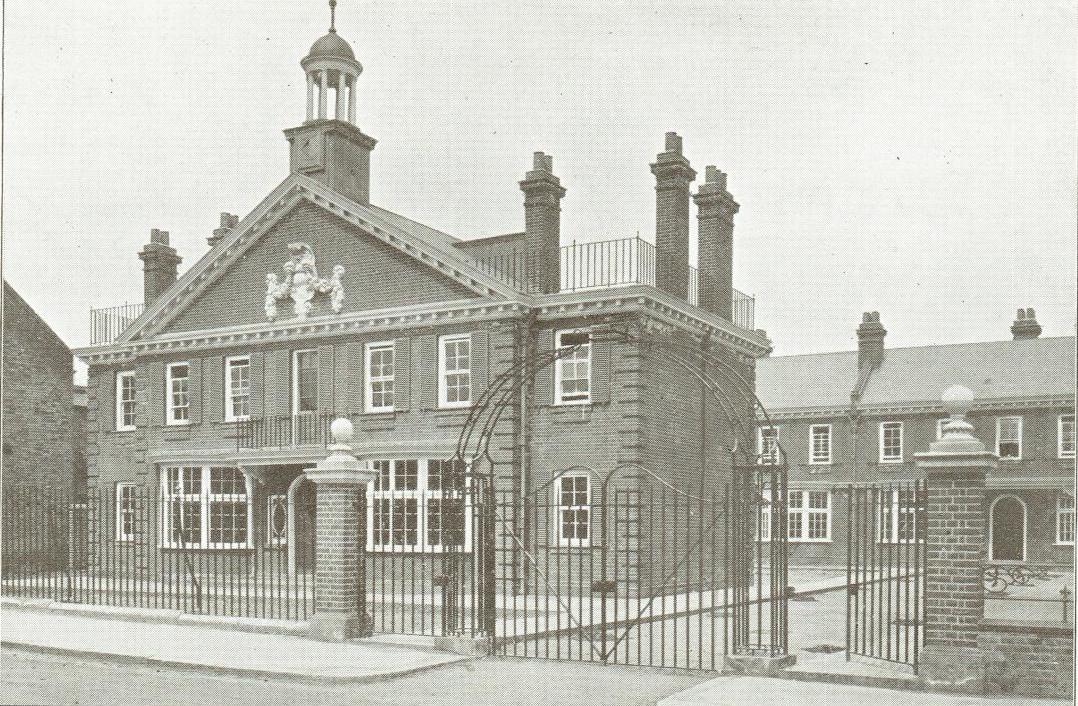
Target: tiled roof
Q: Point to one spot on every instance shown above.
(1034, 368)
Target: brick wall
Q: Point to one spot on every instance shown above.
(1027, 659)
(38, 413)
(954, 593)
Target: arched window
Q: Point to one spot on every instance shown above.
(1007, 529)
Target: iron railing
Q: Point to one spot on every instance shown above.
(605, 264)
(107, 324)
(288, 431)
(1033, 588)
(886, 567)
(128, 545)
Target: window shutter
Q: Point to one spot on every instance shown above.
(258, 385)
(153, 391)
(600, 371)
(105, 388)
(544, 379)
(402, 374)
(356, 374)
(480, 363)
(213, 389)
(194, 391)
(325, 379)
(277, 384)
(428, 384)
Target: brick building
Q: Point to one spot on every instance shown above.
(860, 416)
(220, 389)
(41, 427)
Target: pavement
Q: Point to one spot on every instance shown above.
(217, 649)
(737, 691)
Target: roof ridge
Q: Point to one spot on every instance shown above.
(930, 345)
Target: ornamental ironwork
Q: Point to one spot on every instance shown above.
(998, 578)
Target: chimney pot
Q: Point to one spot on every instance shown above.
(1025, 326)
(673, 142)
(870, 335)
(159, 236)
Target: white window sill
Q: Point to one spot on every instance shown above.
(1063, 544)
(182, 423)
(454, 405)
(380, 410)
(126, 428)
(820, 463)
(235, 420)
(572, 403)
(809, 541)
(891, 461)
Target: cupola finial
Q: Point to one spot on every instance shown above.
(333, 16)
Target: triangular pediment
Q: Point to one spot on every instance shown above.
(386, 266)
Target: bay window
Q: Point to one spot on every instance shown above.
(205, 507)
(417, 505)
(898, 516)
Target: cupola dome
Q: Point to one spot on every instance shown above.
(331, 46)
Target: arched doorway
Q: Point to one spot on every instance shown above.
(1007, 529)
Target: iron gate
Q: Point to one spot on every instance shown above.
(885, 571)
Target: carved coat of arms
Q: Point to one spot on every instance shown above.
(301, 284)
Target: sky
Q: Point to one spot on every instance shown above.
(912, 158)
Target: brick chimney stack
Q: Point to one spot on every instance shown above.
(228, 222)
(1025, 326)
(543, 193)
(672, 178)
(870, 335)
(715, 237)
(159, 265)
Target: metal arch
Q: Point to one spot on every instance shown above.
(484, 415)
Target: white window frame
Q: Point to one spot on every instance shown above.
(121, 411)
(760, 442)
(1064, 508)
(888, 524)
(295, 382)
(123, 510)
(939, 427)
(443, 373)
(274, 500)
(574, 360)
(422, 494)
(171, 408)
(1061, 451)
(999, 439)
(371, 380)
(884, 458)
(805, 511)
(823, 460)
(205, 500)
(991, 530)
(564, 541)
(231, 394)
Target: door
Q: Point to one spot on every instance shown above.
(1008, 529)
(305, 397)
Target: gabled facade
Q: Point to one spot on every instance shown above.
(319, 304)
(860, 416)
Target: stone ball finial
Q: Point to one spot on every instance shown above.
(342, 430)
(957, 400)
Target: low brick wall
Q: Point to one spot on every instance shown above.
(1028, 658)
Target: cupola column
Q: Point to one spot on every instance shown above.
(341, 83)
(352, 100)
(323, 93)
(310, 97)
